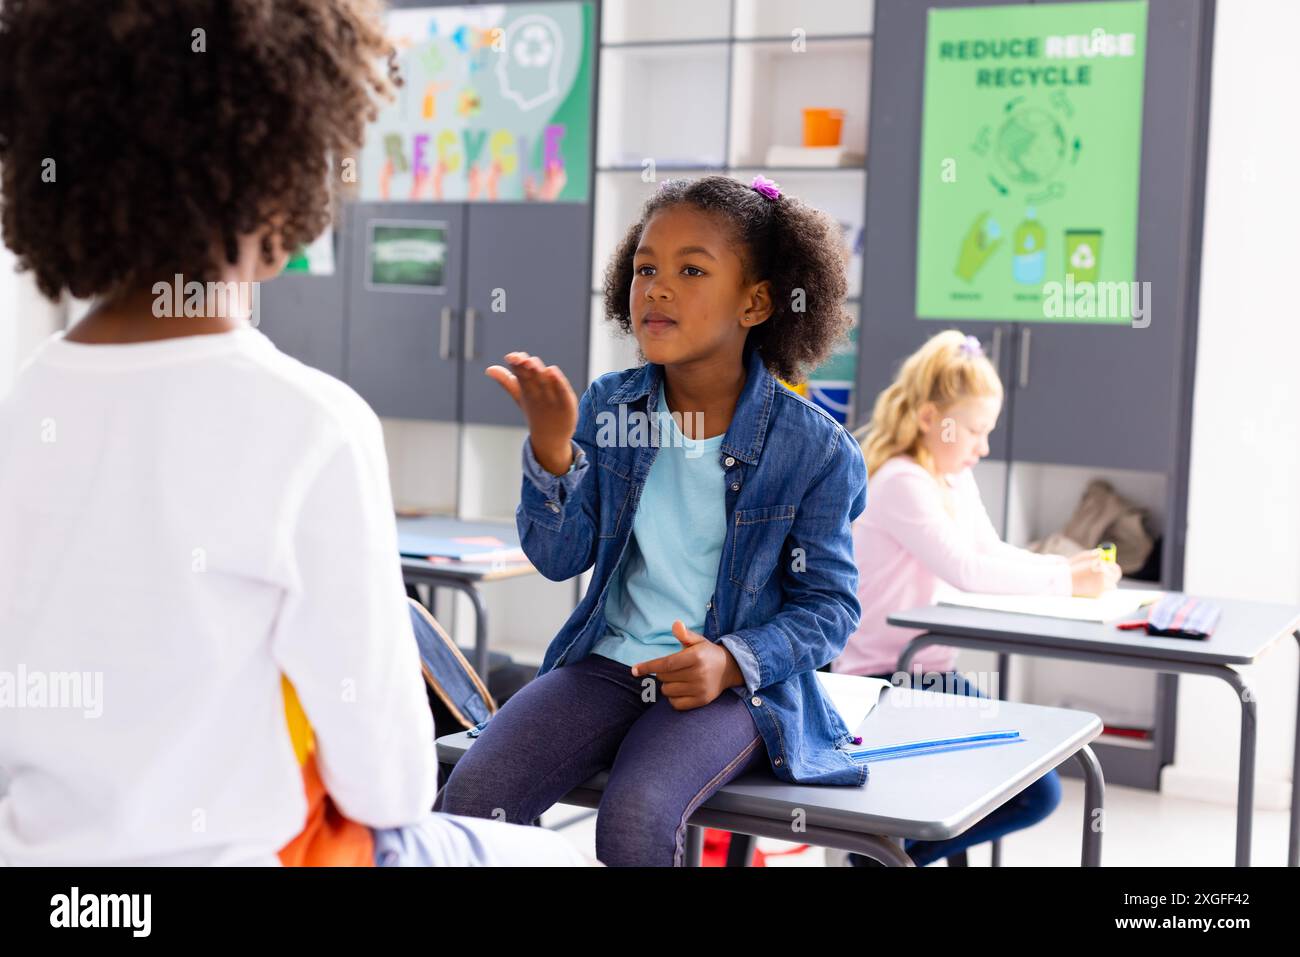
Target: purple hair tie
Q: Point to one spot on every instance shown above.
(761, 184)
(971, 347)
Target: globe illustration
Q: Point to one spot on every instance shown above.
(1030, 147)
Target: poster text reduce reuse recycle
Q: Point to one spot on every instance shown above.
(1030, 158)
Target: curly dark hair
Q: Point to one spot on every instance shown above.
(785, 241)
(138, 136)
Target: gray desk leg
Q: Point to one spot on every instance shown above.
(887, 852)
(694, 846)
(1004, 673)
(883, 849)
(1004, 669)
(480, 633)
(1094, 791)
(740, 850)
(1246, 776)
(480, 620)
(1246, 761)
(1293, 851)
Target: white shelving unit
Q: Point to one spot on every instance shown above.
(1042, 499)
(774, 18)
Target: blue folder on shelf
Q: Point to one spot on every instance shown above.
(475, 549)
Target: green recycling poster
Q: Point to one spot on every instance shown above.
(1030, 157)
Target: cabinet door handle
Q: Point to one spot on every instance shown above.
(444, 335)
(997, 348)
(1024, 358)
(470, 315)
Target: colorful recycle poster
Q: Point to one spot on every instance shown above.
(1030, 160)
(495, 106)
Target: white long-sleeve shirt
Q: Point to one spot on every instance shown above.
(181, 522)
(906, 541)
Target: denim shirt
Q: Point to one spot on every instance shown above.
(786, 590)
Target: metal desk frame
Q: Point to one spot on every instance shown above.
(1225, 673)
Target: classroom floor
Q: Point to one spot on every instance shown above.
(1142, 828)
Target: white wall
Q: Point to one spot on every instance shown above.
(25, 318)
(1244, 502)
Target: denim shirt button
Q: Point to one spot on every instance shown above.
(553, 506)
(776, 762)
(728, 461)
(756, 701)
(735, 486)
(708, 605)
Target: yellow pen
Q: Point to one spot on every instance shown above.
(1107, 551)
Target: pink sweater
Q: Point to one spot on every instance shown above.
(906, 542)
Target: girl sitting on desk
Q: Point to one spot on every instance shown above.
(692, 657)
(924, 522)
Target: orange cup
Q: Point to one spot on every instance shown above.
(822, 127)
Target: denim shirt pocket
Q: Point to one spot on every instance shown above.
(615, 493)
(757, 543)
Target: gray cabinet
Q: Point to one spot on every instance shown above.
(1113, 396)
(305, 316)
(525, 289)
(514, 277)
(1105, 396)
(1095, 396)
(404, 342)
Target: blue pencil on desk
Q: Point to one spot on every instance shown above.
(935, 744)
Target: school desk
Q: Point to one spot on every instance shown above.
(464, 577)
(1246, 631)
(930, 797)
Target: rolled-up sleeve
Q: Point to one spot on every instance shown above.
(558, 515)
(745, 661)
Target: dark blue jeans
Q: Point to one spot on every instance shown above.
(590, 716)
(1025, 809)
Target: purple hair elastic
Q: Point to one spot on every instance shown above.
(971, 347)
(762, 184)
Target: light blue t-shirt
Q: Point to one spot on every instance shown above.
(671, 563)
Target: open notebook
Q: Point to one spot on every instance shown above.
(853, 695)
(1113, 605)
